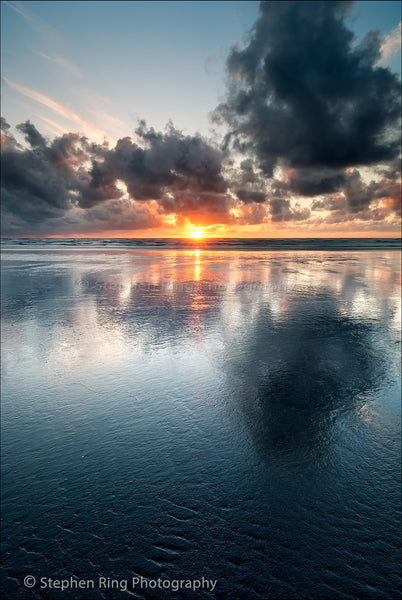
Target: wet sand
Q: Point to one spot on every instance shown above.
(178, 414)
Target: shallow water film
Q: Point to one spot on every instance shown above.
(175, 419)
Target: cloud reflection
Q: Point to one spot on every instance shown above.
(293, 378)
(296, 335)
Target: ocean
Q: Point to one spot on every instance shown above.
(213, 243)
(201, 419)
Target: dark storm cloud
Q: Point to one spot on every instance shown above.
(44, 185)
(301, 94)
(42, 181)
(31, 185)
(392, 170)
(165, 161)
(251, 196)
(335, 202)
(248, 182)
(312, 182)
(4, 126)
(8, 141)
(248, 173)
(360, 195)
(32, 135)
(375, 200)
(117, 215)
(281, 210)
(47, 179)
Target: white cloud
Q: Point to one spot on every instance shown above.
(61, 62)
(391, 44)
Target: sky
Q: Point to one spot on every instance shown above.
(177, 119)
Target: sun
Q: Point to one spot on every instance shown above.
(197, 233)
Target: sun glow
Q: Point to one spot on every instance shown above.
(197, 233)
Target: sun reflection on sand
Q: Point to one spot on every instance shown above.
(197, 268)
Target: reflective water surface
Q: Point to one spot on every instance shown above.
(232, 415)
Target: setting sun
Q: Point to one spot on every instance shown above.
(197, 232)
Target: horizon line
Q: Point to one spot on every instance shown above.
(197, 240)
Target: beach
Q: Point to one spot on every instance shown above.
(188, 413)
